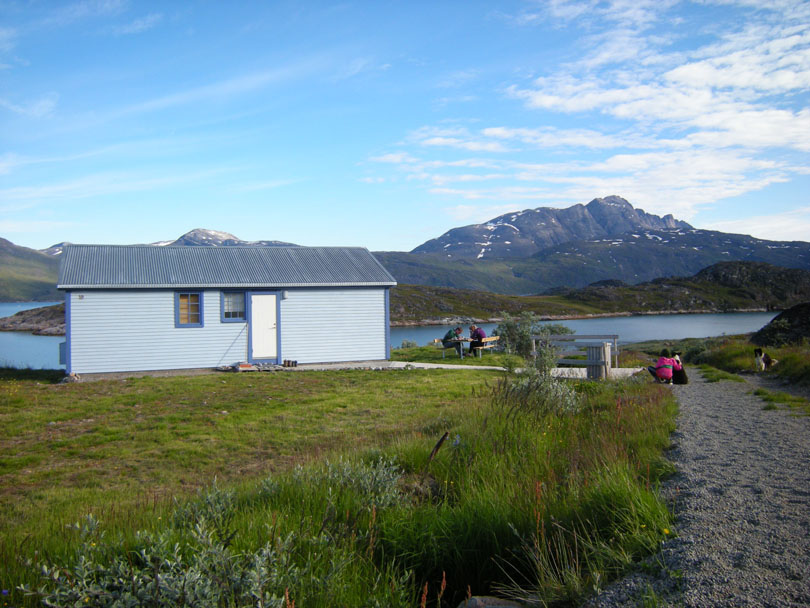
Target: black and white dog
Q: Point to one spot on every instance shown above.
(763, 360)
(679, 375)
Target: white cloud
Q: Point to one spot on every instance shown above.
(87, 9)
(478, 214)
(266, 185)
(458, 78)
(100, 184)
(550, 137)
(222, 89)
(139, 25)
(791, 225)
(39, 108)
(471, 145)
(395, 158)
(8, 39)
(32, 226)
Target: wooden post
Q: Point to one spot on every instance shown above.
(599, 361)
(594, 368)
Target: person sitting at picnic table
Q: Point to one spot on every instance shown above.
(477, 336)
(662, 372)
(451, 340)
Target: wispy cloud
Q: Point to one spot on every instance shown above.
(265, 185)
(459, 138)
(38, 108)
(139, 25)
(32, 226)
(788, 226)
(8, 39)
(223, 89)
(671, 128)
(90, 186)
(87, 9)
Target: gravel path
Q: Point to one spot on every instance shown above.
(742, 504)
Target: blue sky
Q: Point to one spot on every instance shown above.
(384, 124)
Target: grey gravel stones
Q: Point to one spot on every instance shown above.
(742, 505)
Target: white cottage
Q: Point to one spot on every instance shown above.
(137, 308)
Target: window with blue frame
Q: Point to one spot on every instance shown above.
(188, 309)
(233, 306)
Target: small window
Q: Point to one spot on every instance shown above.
(188, 309)
(233, 306)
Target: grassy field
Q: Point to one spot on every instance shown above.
(326, 490)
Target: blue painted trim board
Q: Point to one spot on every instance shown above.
(68, 361)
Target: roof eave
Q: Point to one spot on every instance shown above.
(230, 286)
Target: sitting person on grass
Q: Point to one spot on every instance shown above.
(477, 336)
(662, 372)
(449, 337)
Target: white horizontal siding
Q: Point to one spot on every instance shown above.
(134, 330)
(330, 325)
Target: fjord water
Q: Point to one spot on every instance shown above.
(22, 349)
(639, 328)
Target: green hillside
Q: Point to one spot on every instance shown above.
(723, 287)
(27, 274)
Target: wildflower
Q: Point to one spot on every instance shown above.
(5, 592)
(643, 525)
(457, 441)
(666, 530)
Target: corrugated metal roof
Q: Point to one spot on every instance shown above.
(124, 266)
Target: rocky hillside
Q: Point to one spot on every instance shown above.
(523, 234)
(791, 326)
(723, 287)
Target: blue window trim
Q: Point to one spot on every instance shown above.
(177, 295)
(222, 306)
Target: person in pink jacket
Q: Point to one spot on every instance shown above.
(662, 372)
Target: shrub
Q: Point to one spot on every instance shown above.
(534, 396)
(516, 332)
(194, 564)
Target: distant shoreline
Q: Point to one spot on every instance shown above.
(600, 315)
(50, 320)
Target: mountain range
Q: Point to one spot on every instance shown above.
(525, 233)
(533, 251)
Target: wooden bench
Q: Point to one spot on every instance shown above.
(488, 343)
(439, 344)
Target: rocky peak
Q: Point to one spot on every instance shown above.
(524, 233)
(202, 236)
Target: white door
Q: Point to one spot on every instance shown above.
(263, 326)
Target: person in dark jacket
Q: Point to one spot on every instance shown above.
(451, 338)
(477, 336)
